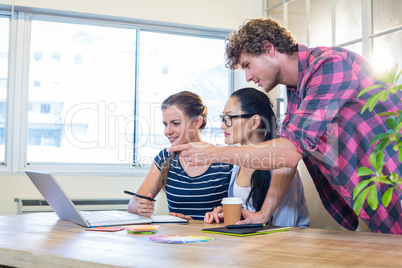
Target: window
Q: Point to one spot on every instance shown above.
(37, 55)
(348, 20)
(297, 20)
(45, 108)
(78, 59)
(88, 93)
(386, 14)
(92, 108)
(183, 63)
(4, 33)
(56, 57)
(387, 24)
(320, 23)
(87, 116)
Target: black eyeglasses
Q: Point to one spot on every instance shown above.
(227, 119)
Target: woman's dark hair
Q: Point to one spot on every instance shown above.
(254, 101)
(192, 106)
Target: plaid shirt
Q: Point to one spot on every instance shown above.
(323, 120)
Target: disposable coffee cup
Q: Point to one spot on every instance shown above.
(231, 210)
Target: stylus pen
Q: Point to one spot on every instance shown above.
(140, 196)
(245, 225)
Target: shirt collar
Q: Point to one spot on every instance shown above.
(303, 54)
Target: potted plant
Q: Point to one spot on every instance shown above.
(367, 189)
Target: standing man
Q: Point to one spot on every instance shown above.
(323, 124)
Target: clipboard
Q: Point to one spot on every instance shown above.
(267, 229)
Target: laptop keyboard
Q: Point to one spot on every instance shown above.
(93, 216)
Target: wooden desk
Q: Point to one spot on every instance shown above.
(42, 240)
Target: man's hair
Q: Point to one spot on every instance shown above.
(250, 36)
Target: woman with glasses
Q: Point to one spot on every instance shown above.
(248, 118)
(190, 191)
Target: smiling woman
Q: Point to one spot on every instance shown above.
(190, 191)
(249, 120)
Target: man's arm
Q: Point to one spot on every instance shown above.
(273, 154)
(279, 186)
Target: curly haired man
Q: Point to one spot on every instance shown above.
(323, 126)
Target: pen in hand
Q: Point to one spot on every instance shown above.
(140, 196)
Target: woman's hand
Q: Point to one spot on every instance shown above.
(145, 207)
(215, 215)
(180, 215)
(198, 153)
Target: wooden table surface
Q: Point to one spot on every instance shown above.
(43, 240)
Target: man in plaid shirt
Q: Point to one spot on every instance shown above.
(323, 124)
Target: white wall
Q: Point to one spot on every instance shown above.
(225, 14)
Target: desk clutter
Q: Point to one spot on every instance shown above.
(152, 229)
(245, 230)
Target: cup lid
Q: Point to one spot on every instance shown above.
(232, 201)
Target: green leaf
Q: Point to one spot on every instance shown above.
(384, 95)
(382, 144)
(372, 197)
(371, 88)
(376, 160)
(393, 89)
(392, 73)
(394, 177)
(385, 181)
(380, 158)
(367, 104)
(399, 121)
(364, 171)
(397, 76)
(400, 156)
(387, 114)
(374, 100)
(384, 77)
(373, 160)
(391, 122)
(380, 136)
(359, 187)
(387, 196)
(358, 204)
(399, 118)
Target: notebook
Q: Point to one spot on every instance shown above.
(64, 208)
(247, 231)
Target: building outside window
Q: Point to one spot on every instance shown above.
(4, 44)
(100, 111)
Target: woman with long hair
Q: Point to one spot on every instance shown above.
(190, 191)
(248, 118)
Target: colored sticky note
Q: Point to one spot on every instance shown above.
(105, 229)
(142, 228)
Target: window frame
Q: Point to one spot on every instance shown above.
(18, 78)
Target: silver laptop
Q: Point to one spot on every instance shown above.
(66, 210)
